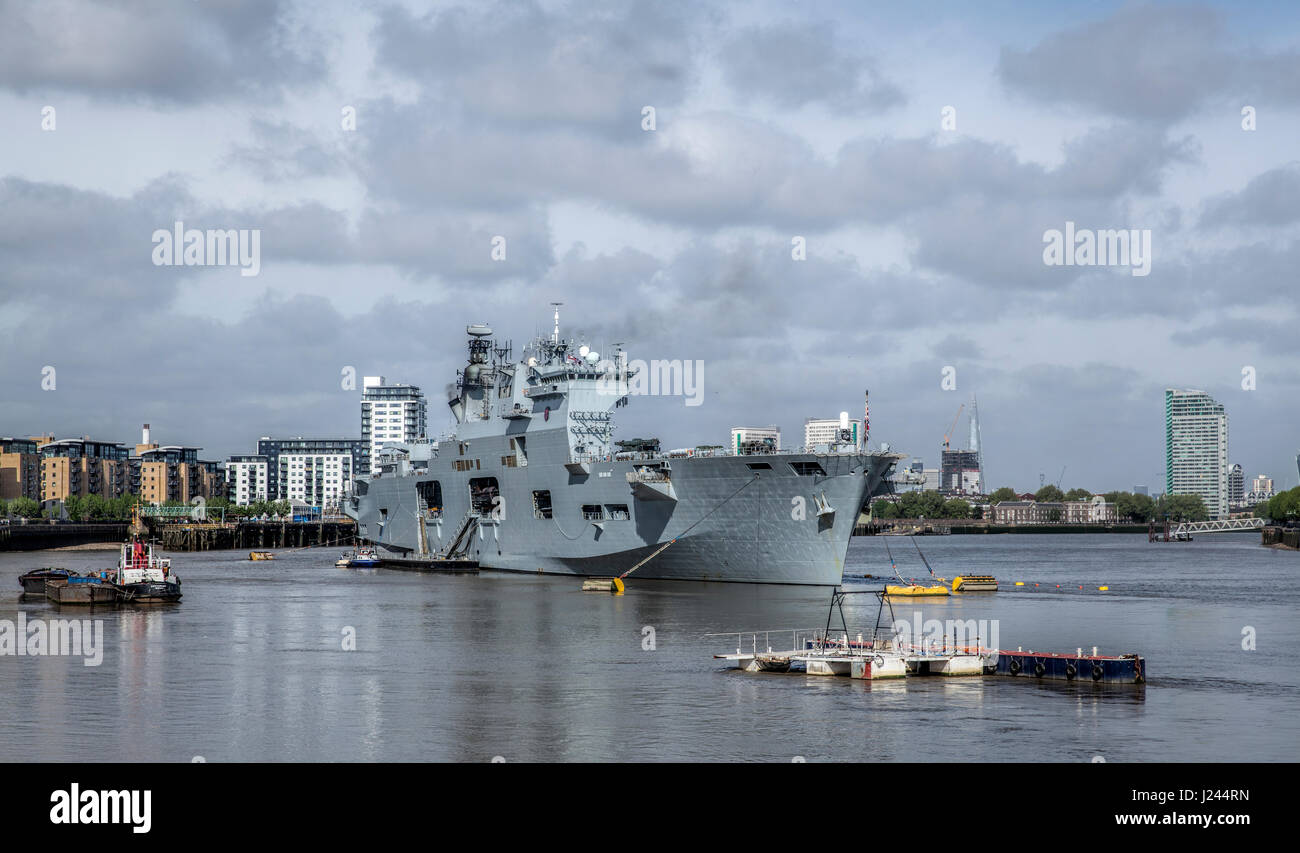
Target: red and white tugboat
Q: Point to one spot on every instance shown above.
(143, 577)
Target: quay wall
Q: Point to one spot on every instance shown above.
(41, 535)
(1284, 538)
(254, 535)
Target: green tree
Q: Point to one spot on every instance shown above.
(1049, 493)
(1141, 508)
(977, 511)
(884, 509)
(94, 508)
(25, 507)
(1181, 508)
(1284, 506)
(1006, 493)
(1053, 514)
(956, 508)
(76, 507)
(909, 505)
(1078, 495)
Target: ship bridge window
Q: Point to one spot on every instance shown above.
(542, 504)
(592, 512)
(759, 466)
(618, 512)
(483, 494)
(808, 469)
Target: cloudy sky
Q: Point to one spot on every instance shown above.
(920, 157)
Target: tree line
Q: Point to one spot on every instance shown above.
(99, 508)
(1283, 508)
(1128, 506)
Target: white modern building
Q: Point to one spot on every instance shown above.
(1196, 448)
(818, 431)
(246, 479)
(316, 479)
(748, 439)
(1261, 489)
(389, 413)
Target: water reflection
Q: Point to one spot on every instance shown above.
(252, 665)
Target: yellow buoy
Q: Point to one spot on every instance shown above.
(1020, 583)
(1103, 588)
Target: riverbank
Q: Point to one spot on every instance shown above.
(1281, 538)
(965, 526)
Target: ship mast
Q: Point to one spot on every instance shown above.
(555, 337)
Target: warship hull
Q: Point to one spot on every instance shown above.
(531, 481)
(754, 519)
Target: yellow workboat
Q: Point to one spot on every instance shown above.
(916, 589)
(260, 555)
(975, 583)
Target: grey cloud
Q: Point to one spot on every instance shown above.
(754, 174)
(794, 64)
(457, 246)
(521, 65)
(1149, 62)
(1112, 161)
(957, 346)
(1270, 336)
(170, 52)
(58, 243)
(1271, 198)
(280, 151)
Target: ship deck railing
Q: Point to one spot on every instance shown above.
(669, 455)
(841, 644)
(810, 641)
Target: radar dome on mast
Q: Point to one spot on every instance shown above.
(479, 330)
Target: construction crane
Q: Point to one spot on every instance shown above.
(948, 434)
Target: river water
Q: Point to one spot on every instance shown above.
(254, 664)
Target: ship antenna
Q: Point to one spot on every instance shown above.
(555, 338)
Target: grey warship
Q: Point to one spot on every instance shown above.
(532, 481)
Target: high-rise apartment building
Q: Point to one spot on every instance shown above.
(1236, 486)
(389, 413)
(1196, 448)
(82, 466)
(247, 479)
(316, 471)
(20, 469)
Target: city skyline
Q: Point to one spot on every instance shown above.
(916, 196)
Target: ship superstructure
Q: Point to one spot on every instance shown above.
(532, 481)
